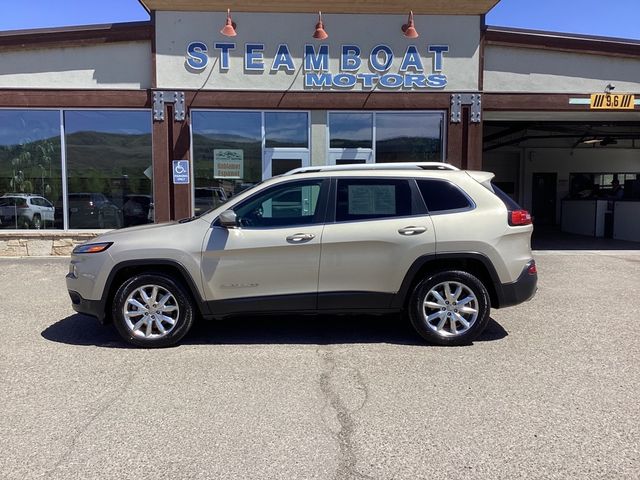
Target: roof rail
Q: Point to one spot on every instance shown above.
(375, 166)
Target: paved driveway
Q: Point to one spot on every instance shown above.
(550, 391)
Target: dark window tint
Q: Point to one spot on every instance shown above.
(440, 196)
(285, 205)
(369, 199)
(509, 202)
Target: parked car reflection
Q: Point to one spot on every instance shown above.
(23, 210)
(137, 209)
(207, 198)
(93, 210)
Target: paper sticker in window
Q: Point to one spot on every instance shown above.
(372, 199)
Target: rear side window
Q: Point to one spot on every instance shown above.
(509, 202)
(442, 196)
(369, 199)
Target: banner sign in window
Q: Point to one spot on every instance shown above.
(228, 164)
(612, 101)
(372, 199)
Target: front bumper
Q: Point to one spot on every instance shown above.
(93, 308)
(520, 291)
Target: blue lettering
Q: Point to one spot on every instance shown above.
(317, 80)
(344, 80)
(437, 81)
(224, 53)
(316, 61)
(283, 59)
(253, 57)
(197, 57)
(417, 80)
(367, 79)
(438, 52)
(350, 60)
(391, 80)
(412, 60)
(374, 59)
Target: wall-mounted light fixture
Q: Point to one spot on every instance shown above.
(320, 33)
(229, 29)
(409, 29)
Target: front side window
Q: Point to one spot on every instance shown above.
(369, 199)
(109, 165)
(294, 203)
(30, 166)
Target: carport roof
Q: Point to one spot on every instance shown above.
(441, 7)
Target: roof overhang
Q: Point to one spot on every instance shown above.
(419, 7)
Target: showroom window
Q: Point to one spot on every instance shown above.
(30, 170)
(107, 156)
(383, 137)
(108, 168)
(234, 150)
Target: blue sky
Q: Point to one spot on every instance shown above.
(615, 18)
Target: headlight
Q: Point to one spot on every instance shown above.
(92, 247)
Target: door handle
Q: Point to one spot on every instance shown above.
(408, 231)
(300, 237)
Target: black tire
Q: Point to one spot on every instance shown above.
(36, 222)
(445, 335)
(184, 317)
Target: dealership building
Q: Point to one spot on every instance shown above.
(117, 125)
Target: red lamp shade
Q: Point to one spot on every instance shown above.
(320, 33)
(229, 29)
(409, 28)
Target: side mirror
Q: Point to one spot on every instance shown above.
(228, 219)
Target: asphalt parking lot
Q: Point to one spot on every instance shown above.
(550, 391)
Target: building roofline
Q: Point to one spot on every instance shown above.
(76, 35)
(567, 42)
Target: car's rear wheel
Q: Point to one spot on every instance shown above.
(36, 222)
(152, 310)
(450, 308)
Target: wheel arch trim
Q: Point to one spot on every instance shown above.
(108, 292)
(424, 261)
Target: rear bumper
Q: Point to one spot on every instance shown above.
(93, 308)
(520, 291)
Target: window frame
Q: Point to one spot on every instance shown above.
(418, 208)
(264, 151)
(63, 155)
(370, 154)
(319, 218)
(472, 204)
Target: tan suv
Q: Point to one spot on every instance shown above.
(441, 244)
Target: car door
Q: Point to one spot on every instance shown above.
(270, 262)
(379, 228)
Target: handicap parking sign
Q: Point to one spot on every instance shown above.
(181, 172)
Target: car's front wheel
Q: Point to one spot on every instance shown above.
(450, 308)
(152, 310)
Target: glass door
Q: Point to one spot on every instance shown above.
(280, 160)
(286, 142)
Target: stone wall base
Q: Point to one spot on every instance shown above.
(41, 243)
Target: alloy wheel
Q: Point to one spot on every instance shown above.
(151, 311)
(450, 309)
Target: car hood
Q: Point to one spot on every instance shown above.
(142, 230)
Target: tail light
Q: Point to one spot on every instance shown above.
(519, 217)
(532, 269)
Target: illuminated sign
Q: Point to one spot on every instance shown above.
(315, 63)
